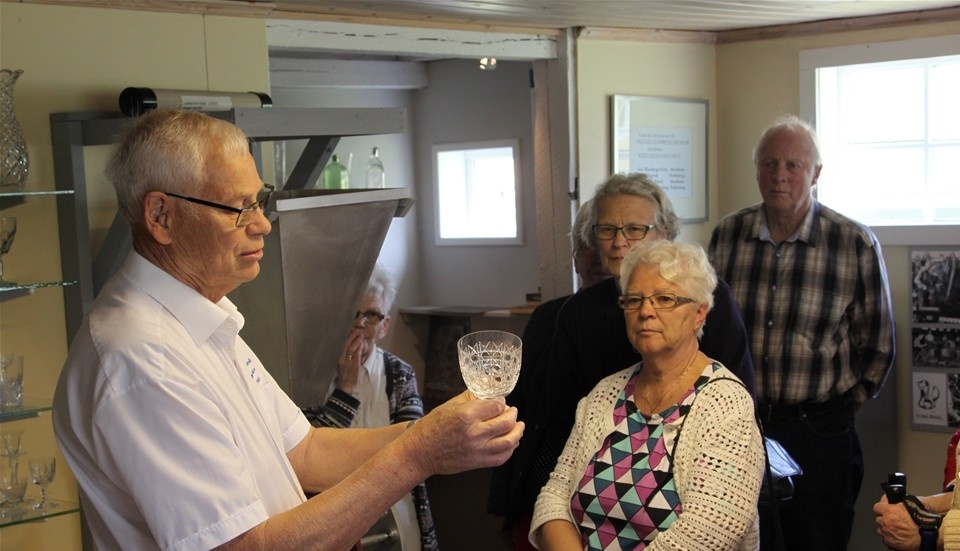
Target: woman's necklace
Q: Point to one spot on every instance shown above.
(666, 394)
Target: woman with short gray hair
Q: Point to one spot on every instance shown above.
(659, 458)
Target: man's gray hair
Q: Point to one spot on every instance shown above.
(790, 123)
(168, 151)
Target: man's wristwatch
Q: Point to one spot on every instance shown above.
(927, 522)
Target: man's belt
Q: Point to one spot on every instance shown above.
(769, 412)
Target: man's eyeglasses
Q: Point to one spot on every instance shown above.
(244, 215)
(662, 301)
(631, 232)
(370, 316)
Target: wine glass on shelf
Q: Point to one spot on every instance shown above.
(12, 490)
(8, 230)
(490, 362)
(10, 448)
(42, 472)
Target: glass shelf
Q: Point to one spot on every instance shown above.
(17, 290)
(26, 513)
(14, 198)
(36, 193)
(31, 407)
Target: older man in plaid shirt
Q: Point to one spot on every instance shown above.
(812, 288)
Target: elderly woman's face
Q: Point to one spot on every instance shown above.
(373, 330)
(621, 211)
(653, 331)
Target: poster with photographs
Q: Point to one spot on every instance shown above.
(935, 337)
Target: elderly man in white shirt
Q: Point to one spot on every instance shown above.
(178, 436)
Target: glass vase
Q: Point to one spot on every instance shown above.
(14, 160)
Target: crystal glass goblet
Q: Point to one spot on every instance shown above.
(11, 381)
(8, 230)
(42, 472)
(10, 448)
(12, 488)
(490, 362)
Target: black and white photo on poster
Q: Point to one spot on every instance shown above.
(935, 274)
(935, 336)
(936, 400)
(936, 347)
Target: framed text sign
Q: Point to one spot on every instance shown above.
(665, 138)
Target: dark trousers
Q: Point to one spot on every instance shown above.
(823, 440)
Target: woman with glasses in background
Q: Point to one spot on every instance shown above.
(374, 388)
(658, 458)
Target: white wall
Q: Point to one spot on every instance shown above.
(464, 104)
(676, 70)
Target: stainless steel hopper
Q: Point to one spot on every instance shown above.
(316, 264)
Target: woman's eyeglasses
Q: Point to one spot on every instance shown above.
(631, 232)
(662, 301)
(370, 316)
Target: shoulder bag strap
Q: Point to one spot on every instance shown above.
(768, 474)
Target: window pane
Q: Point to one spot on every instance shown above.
(492, 200)
(866, 93)
(874, 192)
(477, 193)
(945, 184)
(890, 140)
(944, 91)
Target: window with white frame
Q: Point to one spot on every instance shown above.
(889, 127)
(478, 200)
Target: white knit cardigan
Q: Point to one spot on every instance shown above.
(718, 467)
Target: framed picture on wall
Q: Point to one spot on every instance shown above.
(935, 336)
(665, 138)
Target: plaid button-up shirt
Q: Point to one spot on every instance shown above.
(816, 306)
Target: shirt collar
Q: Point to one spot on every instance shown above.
(200, 317)
(371, 364)
(807, 232)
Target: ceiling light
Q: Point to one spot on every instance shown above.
(488, 63)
